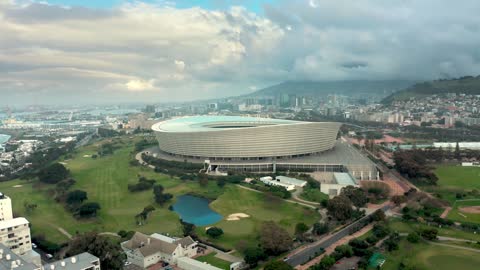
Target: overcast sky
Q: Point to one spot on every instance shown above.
(158, 51)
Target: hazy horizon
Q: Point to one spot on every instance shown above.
(103, 52)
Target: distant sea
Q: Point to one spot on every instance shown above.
(4, 138)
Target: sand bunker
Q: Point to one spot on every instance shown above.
(470, 209)
(17, 186)
(63, 163)
(87, 156)
(237, 216)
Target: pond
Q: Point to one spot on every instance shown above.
(195, 210)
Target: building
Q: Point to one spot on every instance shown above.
(340, 180)
(461, 145)
(5, 208)
(243, 138)
(186, 263)
(145, 251)
(268, 180)
(84, 261)
(282, 181)
(15, 234)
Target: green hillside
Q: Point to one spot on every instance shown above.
(349, 88)
(465, 85)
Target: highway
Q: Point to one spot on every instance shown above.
(317, 248)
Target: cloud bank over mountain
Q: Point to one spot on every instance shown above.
(160, 52)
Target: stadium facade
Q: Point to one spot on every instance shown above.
(243, 138)
(249, 144)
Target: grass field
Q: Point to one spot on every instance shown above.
(457, 215)
(451, 176)
(406, 227)
(313, 195)
(429, 256)
(212, 260)
(106, 179)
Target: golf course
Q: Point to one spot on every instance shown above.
(106, 179)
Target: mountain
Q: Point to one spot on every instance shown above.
(463, 85)
(358, 88)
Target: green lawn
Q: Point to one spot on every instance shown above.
(211, 259)
(313, 195)
(401, 226)
(458, 177)
(457, 215)
(428, 256)
(260, 209)
(105, 179)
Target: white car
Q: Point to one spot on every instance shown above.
(49, 256)
(128, 263)
(34, 245)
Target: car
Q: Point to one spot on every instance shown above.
(34, 245)
(127, 263)
(49, 256)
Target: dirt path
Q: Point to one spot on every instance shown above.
(296, 196)
(454, 246)
(445, 212)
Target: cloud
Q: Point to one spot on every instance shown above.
(140, 85)
(157, 52)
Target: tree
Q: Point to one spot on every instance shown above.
(203, 180)
(253, 255)
(105, 248)
(399, 199)
(340, 208)
(29, 207)
(429, 234)
(274, 239)
(457, 152)
(300, 229)
(320, 228)
(53, 174)
(76, 197)
(214, 232)
(160, 197)
(356, 195)
(413, 237)
(188, 229)
(277, 265)
(89, 209)
(378, 215)
(325, 263)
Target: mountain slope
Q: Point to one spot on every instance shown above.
(465, 85)
(349, 88)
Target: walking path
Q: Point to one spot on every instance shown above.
(296, 196)
(454, 246)
(445, 212)
(290, 201)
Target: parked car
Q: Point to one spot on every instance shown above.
(49, 256)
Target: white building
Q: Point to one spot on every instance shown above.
(5, 208)
(340, 180)
(186, 263)
(144, 251)
(268, 180)
(15, 233)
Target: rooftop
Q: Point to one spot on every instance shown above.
(212, 123)
(8, 259)
(13, 222)
(80, 261)
(197, 264)
(344, 179)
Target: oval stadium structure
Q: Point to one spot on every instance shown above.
(243, 138)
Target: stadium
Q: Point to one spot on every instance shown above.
(243, 138)
(234, 143)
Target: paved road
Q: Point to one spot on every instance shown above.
(306, 254)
